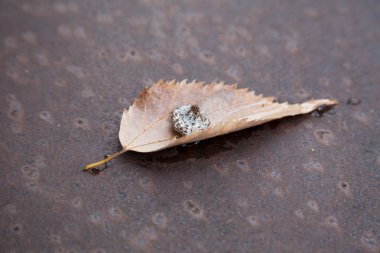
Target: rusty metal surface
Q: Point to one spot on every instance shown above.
(304, 184)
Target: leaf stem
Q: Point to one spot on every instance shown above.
(93, 165)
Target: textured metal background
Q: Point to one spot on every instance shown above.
(304, 184)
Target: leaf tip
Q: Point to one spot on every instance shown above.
(315, 103)
(332, 102)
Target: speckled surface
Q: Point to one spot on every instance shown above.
(304, 184)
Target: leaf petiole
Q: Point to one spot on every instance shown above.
(105, 160)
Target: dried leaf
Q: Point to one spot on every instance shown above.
(147, 125)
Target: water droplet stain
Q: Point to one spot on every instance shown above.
(221, 168)
(160, 220)
(369, 241)
(243, 165)
(345, 188)
(314, 166)
(82, 123)
(299, 214)
(17, 229)
(253, 220)
(353, 101)
(331, 221)
(192, 208)
(313, 205)
(46, 115)
(325, 137)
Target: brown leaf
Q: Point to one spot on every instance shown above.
(147, 125)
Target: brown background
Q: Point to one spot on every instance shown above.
(303, 184)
